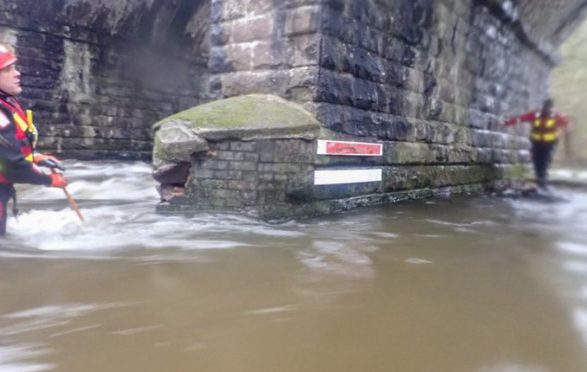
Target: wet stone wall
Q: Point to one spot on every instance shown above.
(265, 46)
(98, 73)
(428, 80)
(252, 176)
(434, 72)
(275, 179)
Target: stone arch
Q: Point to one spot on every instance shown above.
(98, 73)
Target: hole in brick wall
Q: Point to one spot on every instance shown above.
(172, 178)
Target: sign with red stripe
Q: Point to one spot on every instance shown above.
(345, 148)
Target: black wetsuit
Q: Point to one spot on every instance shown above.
(541, 157)
(14, 167)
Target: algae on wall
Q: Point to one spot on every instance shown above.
(569, 89)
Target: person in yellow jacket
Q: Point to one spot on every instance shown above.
(18, 160)
(544, 135)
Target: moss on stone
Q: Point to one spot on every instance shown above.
(406, 153)
(246, 116)
(517, 171)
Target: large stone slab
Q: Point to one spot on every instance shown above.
(252, 116)
(242, 118)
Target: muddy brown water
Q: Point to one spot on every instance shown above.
(467, 284)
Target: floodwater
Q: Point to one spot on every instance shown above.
(470, 284)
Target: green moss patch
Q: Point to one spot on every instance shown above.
(247, 116)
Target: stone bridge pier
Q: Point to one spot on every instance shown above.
(409, 98)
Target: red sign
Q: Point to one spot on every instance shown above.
(326, 147)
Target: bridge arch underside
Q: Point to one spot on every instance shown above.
(552, 21)
(98, 73)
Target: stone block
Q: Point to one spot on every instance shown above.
(332, 22)
(249, 197)
(233, 57)
(266, 176)
(304, 50)
(270, 55)
(252, 28)
(243, 146)
(329, 57)
(242, 166)
(220, 146)
(219, 34)
(364, 94)
(202, 173)
(279, 168)
(335, 88)
(241, 185)
(207, 185)
(408, 153)
(230, 155)
(226, 10)
(302, 20)
(213, 164)
(263, 82)
(175, 142)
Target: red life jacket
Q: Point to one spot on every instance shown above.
(24, 132)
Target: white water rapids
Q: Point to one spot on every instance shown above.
(117, 200)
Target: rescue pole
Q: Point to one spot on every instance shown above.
(71, 200)
(568, 145)
(52, 165)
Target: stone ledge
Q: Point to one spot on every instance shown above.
(244, 118)
(247, 117)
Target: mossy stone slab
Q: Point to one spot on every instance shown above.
(247, 117)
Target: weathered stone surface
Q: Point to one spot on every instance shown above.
(102, 64)
(93, 67)
(176, 141)
(246, 117)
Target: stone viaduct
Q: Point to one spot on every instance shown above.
(428, 80)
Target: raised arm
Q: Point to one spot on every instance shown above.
(525, 118)
(562, 120)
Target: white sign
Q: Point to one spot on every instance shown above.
(336, 177)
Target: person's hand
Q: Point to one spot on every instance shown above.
(569, 127)
(40, 157)
(57, 180)
(48, 161)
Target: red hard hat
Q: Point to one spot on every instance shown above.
(6, 57)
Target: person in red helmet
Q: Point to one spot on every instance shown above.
(18, 161)
(544, 135)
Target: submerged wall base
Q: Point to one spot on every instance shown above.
(286, 212)
(281, 179)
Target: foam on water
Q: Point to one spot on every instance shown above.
(118, 201)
